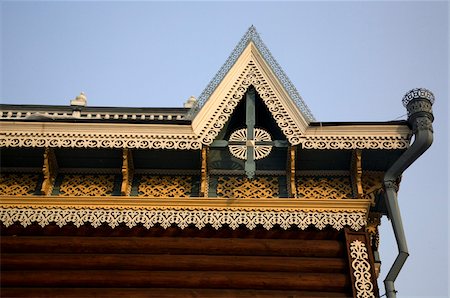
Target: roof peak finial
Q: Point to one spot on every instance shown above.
(79, 101)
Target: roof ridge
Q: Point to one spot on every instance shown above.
(252, 35)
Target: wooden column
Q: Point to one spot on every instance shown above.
(204, 173)
(50, 170)
(127, 172)
(292, 188)
(361, 264)
(356, 173)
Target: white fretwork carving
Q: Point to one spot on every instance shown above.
(252, 35)
(181, 217)
(361, 270)
(260, 151)
(354, 142)
(251, 76)
(97, 141)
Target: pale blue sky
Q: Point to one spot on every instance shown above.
(350, 61)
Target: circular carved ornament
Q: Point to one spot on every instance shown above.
(240, 150)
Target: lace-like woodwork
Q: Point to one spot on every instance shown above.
(87, 185)
(239, 188)
(252, 35)
(361, 270)
(73, 140)
(260, 151)
(355, 142)
(18, 184)
(190, 142)
(165, 186)
(324, 188)
(372, 184)
(251, 76)
(182, 218)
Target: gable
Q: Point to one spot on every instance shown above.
(251, 68)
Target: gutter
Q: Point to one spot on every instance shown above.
(418, 102)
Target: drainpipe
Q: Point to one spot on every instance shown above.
(418, 102)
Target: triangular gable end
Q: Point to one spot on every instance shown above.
(250, 64)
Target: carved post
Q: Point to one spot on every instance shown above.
(50, 170)
(127, 172)
(292, 189)
(204, 173)
(361, 264)
(373, 221)
(356, 173)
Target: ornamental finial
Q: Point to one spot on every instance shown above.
(190, 102)
(418, 103)
(79, 101)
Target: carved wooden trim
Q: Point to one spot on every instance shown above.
(127, 172)
(50, 170)
(356, 170)
(166, 217)
(204, 173)
(361, 264)
(373, 221)
(251, 74)
(90, 135)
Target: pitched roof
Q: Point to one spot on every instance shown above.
(252, 36)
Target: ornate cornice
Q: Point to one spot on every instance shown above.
(182, 212)
(86, 140)
(354, 142)
(181, 218)
(151, 136)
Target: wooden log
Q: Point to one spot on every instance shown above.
(185, 279)
(157, 231)
(169, 262)
(160, 293)
(172, 245)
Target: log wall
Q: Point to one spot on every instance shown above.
(104, 262)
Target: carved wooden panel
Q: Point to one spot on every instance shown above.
(372, 183)
(361, 263)
(18, 184)
(165, 186)
(87, 185)
(324, 188)
(242, 187)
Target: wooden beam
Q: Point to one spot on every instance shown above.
(204, 173)
(165, 262)
(182, 279)
(356, 173)
(173, 245)
(50, 170)
(160, 292)
(250, 118)
(127, 172)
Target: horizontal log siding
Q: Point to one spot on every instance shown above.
(202, 264)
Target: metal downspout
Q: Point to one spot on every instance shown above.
(418, 102)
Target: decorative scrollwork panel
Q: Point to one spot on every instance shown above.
(165, 186)
(372, 184)
(18, 184)
(87, 185)
(242, 187)
(182, 218)
(324, 188)
(361, 270)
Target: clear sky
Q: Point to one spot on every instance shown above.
(350, 61)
